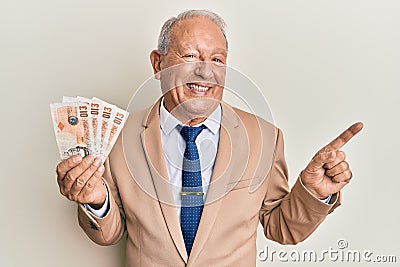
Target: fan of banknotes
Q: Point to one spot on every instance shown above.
(86, 126)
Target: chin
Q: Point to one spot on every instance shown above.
(199, 107)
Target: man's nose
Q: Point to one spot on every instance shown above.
(204, 69)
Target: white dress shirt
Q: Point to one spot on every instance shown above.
(174, 147)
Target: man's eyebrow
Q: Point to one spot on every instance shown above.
(191, 48)
(220, 51)
(186, 49)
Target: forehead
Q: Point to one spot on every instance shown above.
(198, 31)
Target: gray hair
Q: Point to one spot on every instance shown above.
(165, 34)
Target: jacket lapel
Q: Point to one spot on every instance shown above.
(151, 140)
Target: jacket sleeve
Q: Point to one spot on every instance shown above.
(109, 229)
(289, 217)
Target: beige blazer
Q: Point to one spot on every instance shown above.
(249, 185)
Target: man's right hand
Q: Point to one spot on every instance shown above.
(80, 180)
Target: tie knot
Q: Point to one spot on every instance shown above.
(190, 134)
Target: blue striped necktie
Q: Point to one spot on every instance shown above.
(192, 191)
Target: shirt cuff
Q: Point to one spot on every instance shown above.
(100, 213)
(327, 200)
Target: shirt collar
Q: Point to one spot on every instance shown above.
(168, 122)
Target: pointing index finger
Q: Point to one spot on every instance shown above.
(345, 137)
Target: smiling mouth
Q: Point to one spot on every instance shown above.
(197, 87)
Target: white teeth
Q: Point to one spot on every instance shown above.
(196, 87)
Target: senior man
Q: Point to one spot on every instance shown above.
(191, 177)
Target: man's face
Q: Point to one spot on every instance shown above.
(192, 73)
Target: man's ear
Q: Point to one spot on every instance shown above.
(155, 58)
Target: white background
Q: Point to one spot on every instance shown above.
(321, 64)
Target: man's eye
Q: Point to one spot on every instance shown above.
(190, 57)
(217, 60)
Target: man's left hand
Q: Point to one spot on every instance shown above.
(328, 172)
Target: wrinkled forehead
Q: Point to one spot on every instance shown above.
(190, 31)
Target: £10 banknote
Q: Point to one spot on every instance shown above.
(86, 126)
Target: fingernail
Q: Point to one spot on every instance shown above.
(97, 162)
(101, 168)
(330, 154)
(76, 158)
(89, 159)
